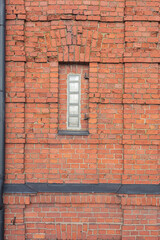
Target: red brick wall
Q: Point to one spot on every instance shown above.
(117, 43)
(81, 216)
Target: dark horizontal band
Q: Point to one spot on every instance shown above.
(73, 133)
(83, 188)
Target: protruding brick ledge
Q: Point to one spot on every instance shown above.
(83, 188)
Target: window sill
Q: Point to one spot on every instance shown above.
(73, 133)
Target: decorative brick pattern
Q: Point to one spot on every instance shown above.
(81, 216)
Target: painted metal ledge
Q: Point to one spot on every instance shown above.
(83, 188)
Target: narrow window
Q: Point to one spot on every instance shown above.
(73, 101)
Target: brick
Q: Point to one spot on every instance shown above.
(133, 223)
(37, 162)
(15, 123)
(141, 42)
(140, 164)
(37, 122)
(15, 41)
(110, 167)
(142, 10)
(110, 123)
(141, 124)
(39, 85)
(141, 83)
(15, 10)
(15, 82)
(74, 229)
(14, 163)
(77, 165)
(116, 44)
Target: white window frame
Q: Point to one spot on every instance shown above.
(69, 93)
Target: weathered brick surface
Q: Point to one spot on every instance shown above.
(117, 44)
(141, 83)
(141, 124)
(110, 123)
(14, 163)
(140, 223)
(15, 87)
(15, 40)
(81, 216)
(110, 163)
(75, 10)
(142, 41)
(74, 41)
(15, 9)
(142, 10)
(141, 164)
(37, 163)
(15, 123)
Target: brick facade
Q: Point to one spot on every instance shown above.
(116, 43)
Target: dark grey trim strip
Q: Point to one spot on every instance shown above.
(2, 113)
(73, 133)
(83, 188)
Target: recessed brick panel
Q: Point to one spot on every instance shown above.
(15, 77)
(141, 124)
(141, 83)
(75, 163)
(14, 163)
(37, 162)
(141, 164)
(14, 122)
(56, 221)
(37, 121)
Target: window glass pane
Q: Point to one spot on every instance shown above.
(73, 110)
(73, 87)
(74, 78)
(73, 122)
(73, 113)
(73, 98)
